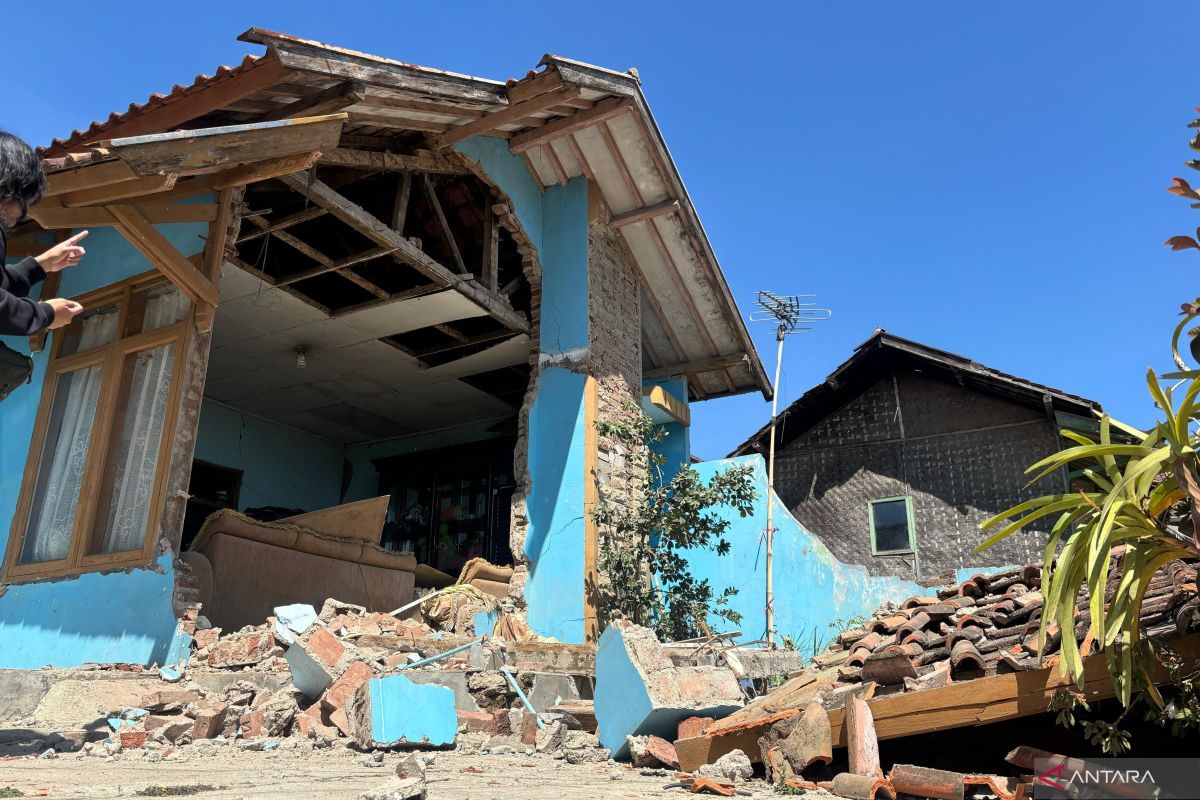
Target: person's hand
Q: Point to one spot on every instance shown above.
(64, 311)
(62, 255)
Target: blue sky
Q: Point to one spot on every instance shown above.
(985, 178)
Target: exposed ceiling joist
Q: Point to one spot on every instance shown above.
(379, 232)
(505, 116)
(576, 122)
(281, 224)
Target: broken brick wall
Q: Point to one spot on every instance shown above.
(959, 454)
(615, 361)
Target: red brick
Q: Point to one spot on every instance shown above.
(241, 650)
(209, 721)
(169, 699)
(315, 724)
(131, 740)
(478, 722)
(662, 750)
(155, 721)
(325, 648)
(338, 695)
(529, 729)
(692, 727)
(207, 637)
(252, 725)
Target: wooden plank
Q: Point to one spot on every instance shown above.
(122, 190)
(591, 496)
(376, 98)
(600, 112)
(179, 110)
(87, 177)
(398, 122)
(281, 224)
(431, 193)
(531, 86)
(392, 162)
(376, 230)
(400, 205)
(213, 149)
(649, 212)
(363, 283)
(335, 98)
(214, 255)
(250, 173)
(505, 116)
(491, 247)
(690, 368)
(98, 217)
(160, 252)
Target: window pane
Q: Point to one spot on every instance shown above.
(91, 329)
(133, 455)
(60, 469)
(156, 308)
(891, 525)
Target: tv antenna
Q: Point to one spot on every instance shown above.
(791, 314)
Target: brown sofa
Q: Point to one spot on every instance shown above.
(246, 568)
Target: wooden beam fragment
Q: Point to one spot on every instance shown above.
(491, 247)
(393, 162)
(87, 177)
(400, 205)
(326, 101)
(52, 218)
(214, 255)
(431, 193)
(139, 232)
(376, 230)
(668, 206)
(602, 111)
(505, 116)
(122, 190)
(281, 224)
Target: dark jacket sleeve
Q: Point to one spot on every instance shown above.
(20, 316)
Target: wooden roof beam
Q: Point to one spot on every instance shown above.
(140, 233)
(278, 225)
(52, 218)
(380, 233)
(668, 206)
(444, 223)
(690, 368)
(326, 101)
(505, 116)
(122, 190)
(393, 162)
(604, 110)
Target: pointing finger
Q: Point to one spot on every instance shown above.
(75, 238)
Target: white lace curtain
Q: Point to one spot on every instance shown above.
(57, 494)
(136, 456)
(137, 451)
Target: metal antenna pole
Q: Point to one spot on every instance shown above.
(788, 312)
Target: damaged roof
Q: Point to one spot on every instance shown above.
(567, 119)
(883, 352)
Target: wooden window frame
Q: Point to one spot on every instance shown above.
(912, 528)
(109, 413)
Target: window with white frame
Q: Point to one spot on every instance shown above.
(892, 529)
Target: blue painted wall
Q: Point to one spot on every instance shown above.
(281, 466)
(557, 224)
(124, 616)
(675, 446)
(812, 587)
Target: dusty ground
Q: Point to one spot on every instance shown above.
(335, 773)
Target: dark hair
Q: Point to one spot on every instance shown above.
(21, 175)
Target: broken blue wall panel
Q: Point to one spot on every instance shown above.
(310, 678)
(812, 587)
(393, 710)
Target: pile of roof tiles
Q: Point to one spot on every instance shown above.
(986, 625)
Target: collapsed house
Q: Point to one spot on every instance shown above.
(320, 277)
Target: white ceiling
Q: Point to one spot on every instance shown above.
(354, 388)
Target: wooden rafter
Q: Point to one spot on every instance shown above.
(481, 338)
(326, 101)
(393, 162)
(281, 224)
(400, 206)
(668, 206)
(604, 110)
(379, 232)
(52, 218)
(122, 190)
(447, 231)
(139, 232)
(697, 367)
(560, 172)
(513, 113)
(339, 267)
(91, 177)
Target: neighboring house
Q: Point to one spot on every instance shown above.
(348, 276)
(897, 457)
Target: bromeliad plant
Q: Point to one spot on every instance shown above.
(1144, 484)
